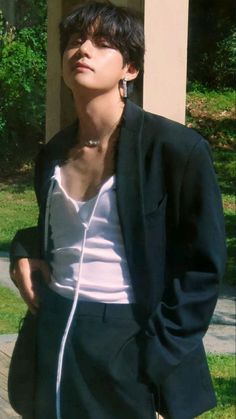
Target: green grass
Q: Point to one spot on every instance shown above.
(18, 210)
(222, 368)
(12, 309)
(212, 113)
(212, 100)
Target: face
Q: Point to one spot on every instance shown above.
(94, 64)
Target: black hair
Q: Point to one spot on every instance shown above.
(120, 26)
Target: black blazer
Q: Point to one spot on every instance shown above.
(172, 223)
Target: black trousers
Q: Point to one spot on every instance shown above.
(102, 370)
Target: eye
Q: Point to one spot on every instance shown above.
(77, 42)
(103, 43)
(74, 43)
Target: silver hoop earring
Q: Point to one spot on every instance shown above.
(125, 88)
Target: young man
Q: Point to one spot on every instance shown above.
(130, 242)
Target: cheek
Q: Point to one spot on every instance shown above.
(117, 59)
(114, 65)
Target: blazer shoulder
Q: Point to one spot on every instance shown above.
(169, 133)
(62, 139)
(57, 146)
(54, 150)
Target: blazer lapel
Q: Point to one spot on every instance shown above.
(129, 197)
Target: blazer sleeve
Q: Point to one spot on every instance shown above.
(183, 316)
(25, 244)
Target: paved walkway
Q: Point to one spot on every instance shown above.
(6, 346)
(220, 337)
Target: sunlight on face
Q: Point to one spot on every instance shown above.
(92, 63)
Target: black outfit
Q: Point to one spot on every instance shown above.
(102, 374)
(172, 224)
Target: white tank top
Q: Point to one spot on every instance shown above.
(88, 232)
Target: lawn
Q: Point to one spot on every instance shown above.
(12, 309)
(212, 113)
(18, 209)
(222, 368)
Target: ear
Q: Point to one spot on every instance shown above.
(130, 72)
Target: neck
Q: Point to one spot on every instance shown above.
(98, 116)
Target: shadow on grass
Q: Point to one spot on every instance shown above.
(225, 166)
(225, 390)
(210, 126)
(16, 185)
(218, 130)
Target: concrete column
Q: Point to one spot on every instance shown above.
(166, 30)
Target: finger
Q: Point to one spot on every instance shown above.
(29, 295)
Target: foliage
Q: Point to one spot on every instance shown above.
(31, 13)
(224, 63)
(22, 84)
(211, 52)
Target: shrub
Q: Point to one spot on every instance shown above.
(22, 85)
(225, 61)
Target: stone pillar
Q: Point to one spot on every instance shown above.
(166, 30)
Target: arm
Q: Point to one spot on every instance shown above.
(198, 258)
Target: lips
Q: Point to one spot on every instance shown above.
(80, 65)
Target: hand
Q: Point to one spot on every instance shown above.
(22, 275)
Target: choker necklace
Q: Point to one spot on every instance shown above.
(92, 143)
(95, 142)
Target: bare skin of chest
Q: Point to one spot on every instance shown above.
(86, 170)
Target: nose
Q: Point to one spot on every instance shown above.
(85, 47)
